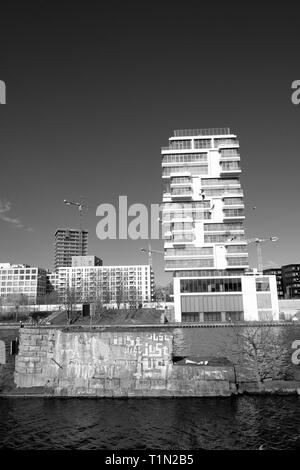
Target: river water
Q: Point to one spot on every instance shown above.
(242, 422)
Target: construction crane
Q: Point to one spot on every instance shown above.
(258, 241)
(150, 251)
(80, 206)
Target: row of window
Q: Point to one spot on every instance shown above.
(230, 165)
(211, 285)
(183, 237)
(233, 201)
(212, 316)
(193, 170)
(189, 251)
(17, 289)
(229, 153)
(180, 179)
(196, 215)
(237, 249)
(185, 158)
(193, 263)
(184, 190)
(222, 227)
(14, 278)
(186, 205)
(233, 212)
(222, 238)
(201, 143)
(222, 192)
(219, 181)
(209, 273)
(18, 271)
(238, 261)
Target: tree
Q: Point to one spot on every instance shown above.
(70, 300)
(120, 291)
(134, 298)
(259, 349)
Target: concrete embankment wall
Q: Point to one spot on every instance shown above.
(113, 363)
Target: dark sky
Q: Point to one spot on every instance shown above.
(95, 89)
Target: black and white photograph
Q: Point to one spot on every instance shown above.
(149, 229)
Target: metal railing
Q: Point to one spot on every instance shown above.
(206, 132)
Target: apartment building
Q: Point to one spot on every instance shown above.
(278, 274)
(22, 283)
(108, 284)
(291, 281)
(203, 226)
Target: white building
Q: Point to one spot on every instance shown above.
(21, 283)
(110, 284)
(203, 223)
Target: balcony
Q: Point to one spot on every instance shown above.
(233, 215)
(230, 170)
(184, 192)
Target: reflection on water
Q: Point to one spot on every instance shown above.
(188, 423)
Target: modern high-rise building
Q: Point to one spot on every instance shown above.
(203, 225)
(69, 242)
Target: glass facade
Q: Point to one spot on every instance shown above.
(211, 285)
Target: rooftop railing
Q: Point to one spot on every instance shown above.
(196, 132)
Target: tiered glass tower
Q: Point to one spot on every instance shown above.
(203, 214)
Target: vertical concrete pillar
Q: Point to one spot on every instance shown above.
(201, 317)
(223, 316)
(2, 353)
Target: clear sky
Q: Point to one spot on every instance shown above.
(94, 89)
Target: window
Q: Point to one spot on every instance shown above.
(238, 261)
(190, 317)
(234, 316)
(212, 316)
(229, 153)
(183, 191)
(262, 285)
(202, 143)
(230, 165)
(180, 144)
(218, 142)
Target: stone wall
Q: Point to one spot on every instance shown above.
(113, 363)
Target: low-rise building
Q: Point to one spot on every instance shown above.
(250, 297)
